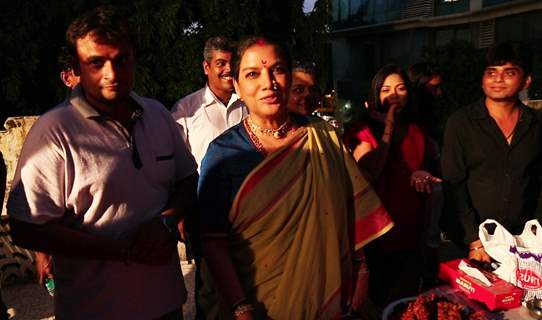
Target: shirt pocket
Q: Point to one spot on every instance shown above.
(160, 170)
(165, 157)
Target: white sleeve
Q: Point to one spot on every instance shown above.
(38, 188)
(179, 114)
(185, 165)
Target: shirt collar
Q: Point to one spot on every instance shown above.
(78, 101)
(209, 98)
(479, 111)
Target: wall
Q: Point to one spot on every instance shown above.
(16, 264)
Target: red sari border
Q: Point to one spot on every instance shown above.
(372, 226)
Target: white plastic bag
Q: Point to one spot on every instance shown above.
(520, 256)
(529, 260)
(497, 245)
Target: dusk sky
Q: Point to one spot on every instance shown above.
(308, 5)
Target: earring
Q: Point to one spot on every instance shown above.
(274, 85)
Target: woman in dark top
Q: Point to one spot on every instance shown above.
(391, 149)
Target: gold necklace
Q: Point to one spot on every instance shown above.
(277, 133)
(254, 138)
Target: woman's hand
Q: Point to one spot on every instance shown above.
(423, 181)
(393, 111)
(243, 312)
(477, 252)
(245, 316)
(389, 123)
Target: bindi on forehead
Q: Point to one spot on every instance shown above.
(264, 62)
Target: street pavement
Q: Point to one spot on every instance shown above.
(30, 301)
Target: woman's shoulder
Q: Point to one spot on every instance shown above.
(231, 137)
(359, 132)
(360, 128)
(359, 125)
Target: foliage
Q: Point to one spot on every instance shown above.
(170, 37)
(462, 65)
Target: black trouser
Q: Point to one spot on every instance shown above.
(393, 275)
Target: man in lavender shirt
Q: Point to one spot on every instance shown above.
(101, 184)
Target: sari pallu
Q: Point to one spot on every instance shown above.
(296, 221)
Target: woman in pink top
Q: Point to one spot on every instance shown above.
(391, 150)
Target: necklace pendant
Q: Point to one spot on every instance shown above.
(277, 134)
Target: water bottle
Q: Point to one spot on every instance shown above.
(50, 286)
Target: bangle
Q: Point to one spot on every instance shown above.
(359, 260)
(363, 269)
(238, 303)
(476, 248)
(242, 309)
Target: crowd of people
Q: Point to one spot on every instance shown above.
(286, 218)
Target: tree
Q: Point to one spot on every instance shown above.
(169, 35)
(462, 65)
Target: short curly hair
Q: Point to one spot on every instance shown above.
(517, 53)
(219, 43)
(106, 24)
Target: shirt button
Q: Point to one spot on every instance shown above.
(507, 175)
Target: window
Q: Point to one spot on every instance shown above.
(444, 7)
(349, 13)
(487, 3)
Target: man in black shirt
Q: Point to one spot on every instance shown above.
(492, 153)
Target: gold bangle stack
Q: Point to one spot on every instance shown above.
(242, 309)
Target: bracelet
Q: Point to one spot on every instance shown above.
(238, 303)
(476, 248)
(363, 269)
(359, 260)
(242, 309)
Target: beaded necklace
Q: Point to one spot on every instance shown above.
(254, 138)
(277, 133)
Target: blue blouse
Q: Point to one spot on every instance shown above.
(228, 161)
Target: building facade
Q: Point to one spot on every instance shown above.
(367, 34)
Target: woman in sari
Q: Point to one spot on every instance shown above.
(392, 150)
(285, 211)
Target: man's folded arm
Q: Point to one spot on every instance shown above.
(183, 198)
(55, 238)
